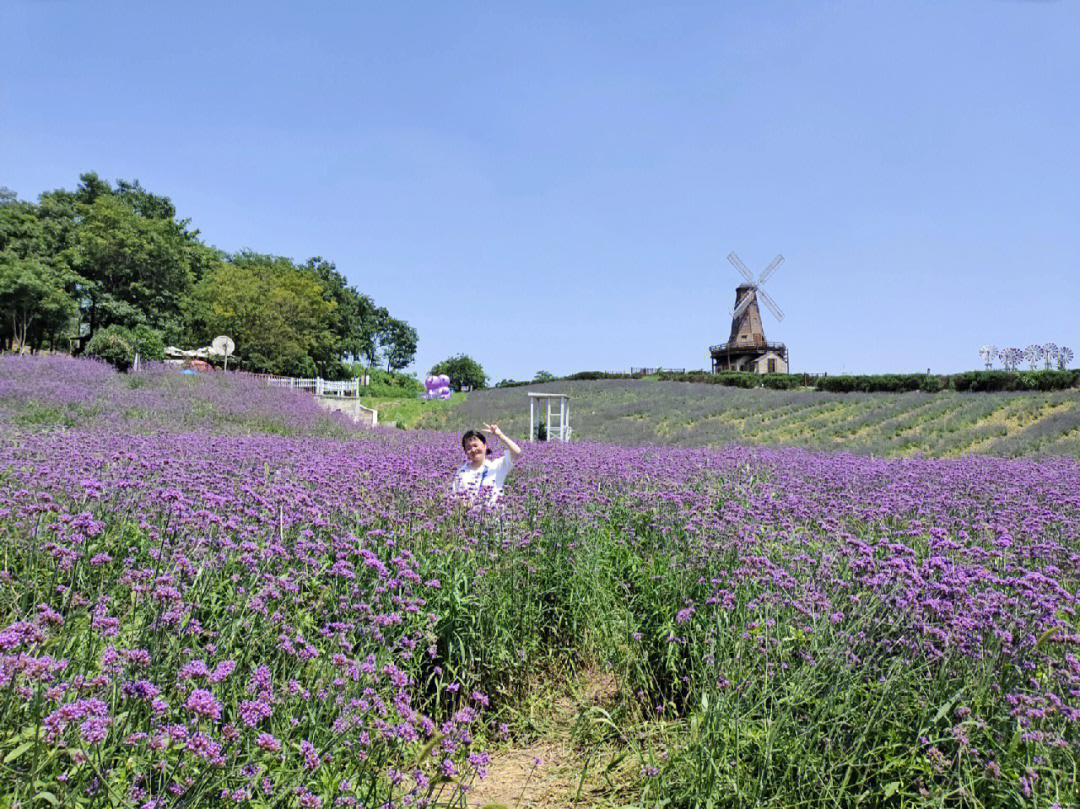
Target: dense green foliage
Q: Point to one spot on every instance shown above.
(77, 262)
(734, 379)
(387, 384)
(112, 344)
(464, 372)
(1016, 380)
(877, 383)
(119, 346)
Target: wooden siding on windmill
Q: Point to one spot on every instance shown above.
(747, 328)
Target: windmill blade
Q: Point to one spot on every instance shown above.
(776, 262)
(771, 304)
(734, 259)
(746, 301)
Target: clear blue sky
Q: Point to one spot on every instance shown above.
(556, 185)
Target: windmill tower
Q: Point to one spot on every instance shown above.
(747, 349)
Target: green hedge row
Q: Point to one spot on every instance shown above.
(970, 381)
(1016, 380)
(739, 379)
(886, 383)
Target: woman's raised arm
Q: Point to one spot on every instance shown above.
(511, 447)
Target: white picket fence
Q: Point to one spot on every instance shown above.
(328, 392)
(349, 388)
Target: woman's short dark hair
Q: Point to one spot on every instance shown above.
(474, 434)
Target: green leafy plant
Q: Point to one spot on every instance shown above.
(464, 372)
(114, 345)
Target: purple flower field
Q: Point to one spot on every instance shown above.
(59, 391)
(219, 603)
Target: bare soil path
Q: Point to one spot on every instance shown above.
(547, 773)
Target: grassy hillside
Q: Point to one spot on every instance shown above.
(407, 411)
(947, 424)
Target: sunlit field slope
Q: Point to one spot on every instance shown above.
(46, 392)
(209, 613)
(682, 414)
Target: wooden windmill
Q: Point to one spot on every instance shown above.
(746, 348)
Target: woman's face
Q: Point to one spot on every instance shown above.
(475, 450)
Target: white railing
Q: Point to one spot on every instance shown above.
(349, 388)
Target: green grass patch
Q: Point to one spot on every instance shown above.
(409, 413)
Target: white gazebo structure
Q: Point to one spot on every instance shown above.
(557, 420)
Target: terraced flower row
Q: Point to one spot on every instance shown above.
(946, 424)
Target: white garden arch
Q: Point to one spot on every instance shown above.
(554, 410)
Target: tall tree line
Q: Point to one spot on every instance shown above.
(77, 262)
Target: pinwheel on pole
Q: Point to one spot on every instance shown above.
(1010, 358)
(988, 352)
(1064, 357)
(1033, 353)
(1050, 352)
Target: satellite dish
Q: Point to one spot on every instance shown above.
(223, 345)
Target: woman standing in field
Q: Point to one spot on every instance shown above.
(480, 478)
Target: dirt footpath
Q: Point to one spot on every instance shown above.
(547, 773)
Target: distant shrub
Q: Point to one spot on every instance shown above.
(582, 375)
(1052, 380)
(510, 383)
(737, 379)
(866, 383)
(994, 381)
(982, 381)
(781, 381)
(114, 345)
(933, 384)
(148, 343)
(385, 384)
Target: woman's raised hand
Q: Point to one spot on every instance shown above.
(493, 429)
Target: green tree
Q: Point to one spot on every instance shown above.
(398, 340)
(21, 231)
(357, 319)
(275, 312)
(543, 376)
(32, 302)
(464, 372)
(370, 351)
(129, 269)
